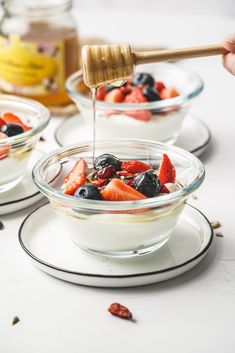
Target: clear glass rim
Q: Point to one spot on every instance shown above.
(73, 80)
(39, 109)
(152, 202)
(31, 8)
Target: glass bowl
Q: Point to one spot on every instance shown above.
(116, 120)
(16, 150)
(124, 228)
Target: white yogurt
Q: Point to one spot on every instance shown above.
(120, 232)
(12, 168)
(162, 127)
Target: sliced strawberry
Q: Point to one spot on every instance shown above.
(72, 185)
(114, 96)
(4, 149)
(164, 190)
(76, 177)
(159, 86)
(100, 93)
(80, 167)
(142, 115)
(136, 96)
(11, 118)
(135, 166)
(116, 190)
(167, 171)
(126, 90)
(2, 122)
(169, 92)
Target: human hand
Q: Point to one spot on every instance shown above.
(229, 59)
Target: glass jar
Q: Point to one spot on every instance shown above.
(39, 49)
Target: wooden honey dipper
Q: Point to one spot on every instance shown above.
(103, 64)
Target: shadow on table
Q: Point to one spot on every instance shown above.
(210, 151)
(192, 275)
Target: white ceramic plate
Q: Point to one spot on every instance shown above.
(49, 247)
(194, 137)
(24, 194)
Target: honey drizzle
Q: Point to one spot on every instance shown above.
(93, 96)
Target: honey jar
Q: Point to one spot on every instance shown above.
(39, 49)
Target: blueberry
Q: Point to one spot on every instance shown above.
(88, 191)
(11, 129)
(151, 94)
(142, 78)
(106, 160)
(147, 183)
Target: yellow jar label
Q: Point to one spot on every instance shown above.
(31, 68)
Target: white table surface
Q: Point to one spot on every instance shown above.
(192, 313)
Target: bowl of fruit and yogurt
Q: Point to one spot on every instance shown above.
(126, 201)
(21, 121)
(152, 105)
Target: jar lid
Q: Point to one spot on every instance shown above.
(36, 7)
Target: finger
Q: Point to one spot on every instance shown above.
(229, 62)
(229, 43)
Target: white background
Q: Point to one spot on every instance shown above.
(211, 7)
(193, 313)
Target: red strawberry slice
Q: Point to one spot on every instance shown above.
(125, 90)
(4, 149)
(124, 173)
(135, 166)
(114, 96)
(80, 167)
(116, 190)
(169, 92)
(136, 96)
(100, 93)
(72, 185)
(142, 115)
(164, 190)
(167, 171)
(159, 86)
(2, 122)
(11, 118)
(76, 177)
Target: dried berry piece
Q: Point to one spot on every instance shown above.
(100, 182)
(120, 311)
(106, 172)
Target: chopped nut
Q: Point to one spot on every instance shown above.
(15, 320)
(215, 224)
(219, 234)
(1, 225)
